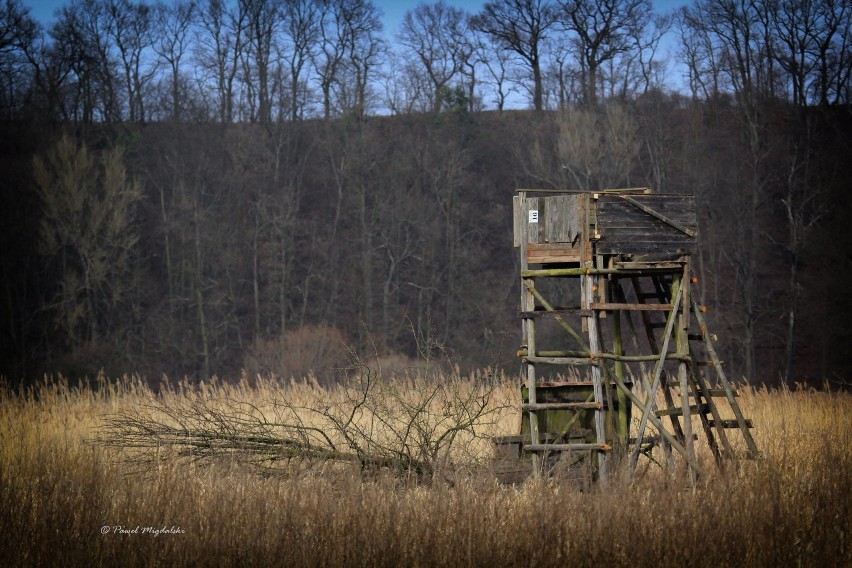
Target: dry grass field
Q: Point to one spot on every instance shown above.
(80, 484)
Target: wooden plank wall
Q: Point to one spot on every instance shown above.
(558, 219)
(626, 229)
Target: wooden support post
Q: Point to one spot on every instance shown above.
(528, 329)
(618, 350)
(531, 393)
(682, 347)
(597, 386)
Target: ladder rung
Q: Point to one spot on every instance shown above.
(678, 411)
(732, 423)
(556, 313)
(631, 307)
(566, 447)
(577, 361)
(561, 406)
(521, 439)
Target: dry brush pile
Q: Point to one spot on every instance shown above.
(408, 423)
(389, 473)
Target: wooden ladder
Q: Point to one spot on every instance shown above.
(587, 346)
(696, 354)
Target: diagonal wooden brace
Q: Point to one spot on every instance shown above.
(658, 371)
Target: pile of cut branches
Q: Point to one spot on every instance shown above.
(409, 424)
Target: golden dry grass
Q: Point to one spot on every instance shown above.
(58, 489)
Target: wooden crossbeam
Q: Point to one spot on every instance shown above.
(609, 306)
(566, 447)
(562, 406)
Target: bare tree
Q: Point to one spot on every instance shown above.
(22, 55)
(732, 29)
(331, 52)
(434, 36)
(302, 30)
(603, 30)
(498, 67)
(364, 52)
(263, 20)
(221, 39)
(82, 33)
(520, 26)
(88, 233)
(13, 18)
(833, 51)
(805, 204)
(173, 26)
(702, 61)
(130, 31)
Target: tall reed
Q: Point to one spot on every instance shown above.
(59, 490)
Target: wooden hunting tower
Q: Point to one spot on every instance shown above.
(605, 300)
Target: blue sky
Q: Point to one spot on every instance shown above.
(43, 10)
(394, 10)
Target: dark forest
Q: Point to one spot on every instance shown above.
(200, 188)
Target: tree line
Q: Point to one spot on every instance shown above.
(199, 188)
(273, 60)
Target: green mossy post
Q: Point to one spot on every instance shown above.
(623, 406)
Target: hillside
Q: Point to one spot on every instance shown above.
(201, 248)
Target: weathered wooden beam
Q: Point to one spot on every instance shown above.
(578, 361)
(562, 406)
(555, 312)
(565, 272)
(566, 447)
(556, 272)
(622, 426)
(637, 265)
(545, 253)
(610, 306)
(682, 346)
(579, 191)
(609, 356)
